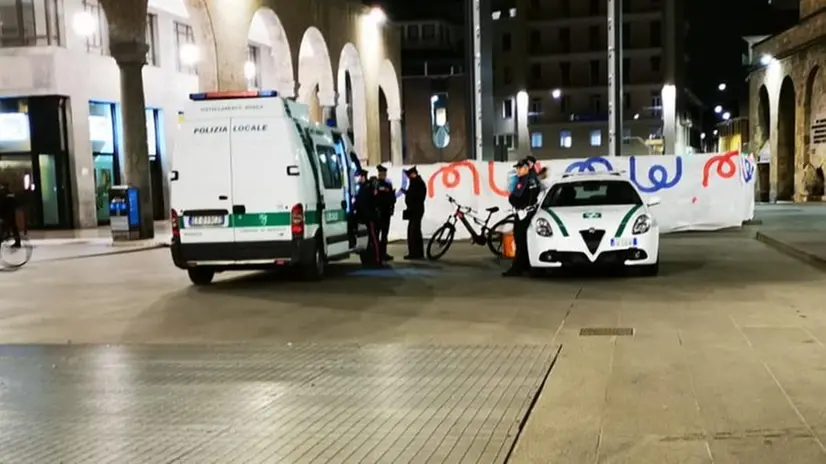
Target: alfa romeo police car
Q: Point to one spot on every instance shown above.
(594, 219)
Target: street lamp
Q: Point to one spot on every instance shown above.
(556, 93)
(377, 16)
(189, 54)
(766, 59)
(718, 109)
(722, 87)
(249, 70)
(726, 116)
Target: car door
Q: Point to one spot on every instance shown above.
(349, 164)
(334, 215)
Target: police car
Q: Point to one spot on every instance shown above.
(593, 219)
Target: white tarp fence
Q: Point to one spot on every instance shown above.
(697, 192)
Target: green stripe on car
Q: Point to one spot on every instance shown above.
(625, 219)
(558, 222)
(279, 219)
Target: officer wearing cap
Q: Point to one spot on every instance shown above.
(522, 198)
(386, 205)
(366, 213)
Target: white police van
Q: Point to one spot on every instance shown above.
(256, 185)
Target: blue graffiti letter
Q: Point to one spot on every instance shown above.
(589, 165)
(657, 176)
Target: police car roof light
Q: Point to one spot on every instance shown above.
(233, 95)
(331, 123)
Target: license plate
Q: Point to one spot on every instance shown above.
(591, 215)
(623, 242)
(206, 221)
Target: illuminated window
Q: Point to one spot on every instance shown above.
(98, 41)
(439, 125)
(512, 12)
(151, 35)
(186, 58)
(536, 139)
(565, 139)
(496, 15)
(596, 138)
(507, 108)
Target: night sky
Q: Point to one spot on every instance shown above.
(714, 44)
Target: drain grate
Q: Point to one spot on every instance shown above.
(606, 332)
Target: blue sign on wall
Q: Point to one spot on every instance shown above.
(134, 207)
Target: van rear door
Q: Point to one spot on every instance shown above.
(263, 191)
(202, 192)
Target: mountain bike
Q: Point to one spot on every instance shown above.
(11, 257)
(441, 240)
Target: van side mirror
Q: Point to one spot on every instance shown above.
(653, 201)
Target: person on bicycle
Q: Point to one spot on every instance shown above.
(414, 197)
(8, 212)
(365, 213)
(386, 204)
(522, 199)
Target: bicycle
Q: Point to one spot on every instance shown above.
(490, 236)
(11, 257)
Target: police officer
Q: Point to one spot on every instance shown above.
(414, 197)
(523, 197)
(386, 205)
(366, 213)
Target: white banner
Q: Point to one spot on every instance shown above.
(697, 192)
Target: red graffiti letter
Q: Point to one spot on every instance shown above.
(451, 177)
(492, 180)
(726, 167)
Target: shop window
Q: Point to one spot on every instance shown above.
(252, 68)
(439, 125)
(565, 139)
(536, 140)
(97, 40)
(29, 23)
(151, 39)
(596, 138)
(15, 135)
(187, 56)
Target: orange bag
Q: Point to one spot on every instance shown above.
(508, 245)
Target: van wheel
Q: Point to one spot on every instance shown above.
(201, 276)
(313, 269)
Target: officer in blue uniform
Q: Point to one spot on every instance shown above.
(523, 197)
(366, 213)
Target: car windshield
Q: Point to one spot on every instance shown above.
(591, 193)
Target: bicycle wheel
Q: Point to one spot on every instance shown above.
(497, 232)
(441, 239)
(14, 257)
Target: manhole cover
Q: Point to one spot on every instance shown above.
(606, 331)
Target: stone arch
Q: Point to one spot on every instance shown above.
(202, 27)
(277, 70)
(351, 97)
(390, 114)
(786, 122)
(315, 71)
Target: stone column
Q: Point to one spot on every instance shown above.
(131, 58)
(396, 147)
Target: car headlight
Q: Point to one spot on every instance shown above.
(642, 225)
(543, 228)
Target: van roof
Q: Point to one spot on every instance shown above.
(209, 105)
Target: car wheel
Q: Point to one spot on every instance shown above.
(200, 276)
(313, 269)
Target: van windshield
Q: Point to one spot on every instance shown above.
(591, 193)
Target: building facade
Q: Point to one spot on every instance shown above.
(551, 78)
(83, 81)
(435, 90)
(787, 110)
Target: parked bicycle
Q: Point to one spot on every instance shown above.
(11, 257)
(441, 240)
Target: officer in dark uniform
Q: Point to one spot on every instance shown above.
(414, 198)
(366, 213)
(386, 204)
(523, 197)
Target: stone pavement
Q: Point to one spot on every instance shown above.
(725, 363)
(796, 229)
